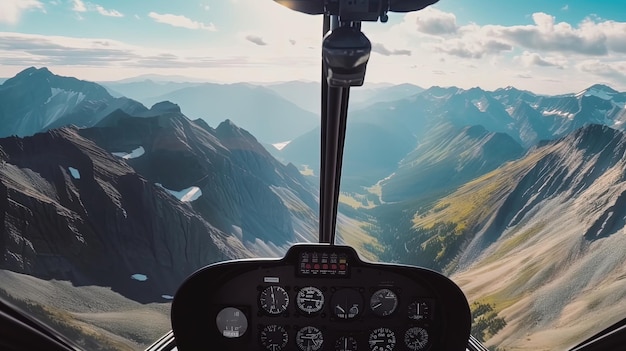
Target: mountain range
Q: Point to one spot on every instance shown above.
(518, 197)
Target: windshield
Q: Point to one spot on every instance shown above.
(140, 141)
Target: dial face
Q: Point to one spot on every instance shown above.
(231, 322)
(345, 343)
(382, 339)
(309, 339)
(346, 303)
(274, 337)
(274, 300)
(419, 310)
(384, 302)
(310, 300)
(416, 338)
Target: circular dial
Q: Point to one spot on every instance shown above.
(384, 302)
(419, 310)
(274, 300)
(231, 322)
(345, 343)
(309, 339)
(346, 303)
(310, 300)
(274, 337)
(382, 339)
(416, 338)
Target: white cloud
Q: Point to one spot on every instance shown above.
(181, 21)
(79, 6)
(529, 59)
(435, 22)
(11, 10)
(110, 13)
(611, 70)
(381, 49)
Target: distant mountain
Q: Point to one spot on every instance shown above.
(535, 239)
(446, 158)
(269, 117)
(145, 197)
(371, 153)
(36, 100)
(144, 90)
(307, 95)
(526, 117)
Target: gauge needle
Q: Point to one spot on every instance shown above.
(341, 309)
(377, 305)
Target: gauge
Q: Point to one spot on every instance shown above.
(310, 299)
(309, 339)
(419, 310)
(274, 300)
(384, 302)
(382, 339)
(416, 338)
(231, 322)
(274, 337)
(346, 303)
(345, 343)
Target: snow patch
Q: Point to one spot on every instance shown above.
(481, 104)
(558, 113)
(167, 297)
(61, 101)
(604, 95)
(74, 172)
(139, 277)
(510, 110)
(280, 146)
(133, 154)
(186, 195)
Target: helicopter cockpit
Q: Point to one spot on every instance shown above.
(323, 296)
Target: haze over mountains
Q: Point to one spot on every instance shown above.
(469, 182)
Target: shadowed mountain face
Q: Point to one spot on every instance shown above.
(37, 100)
(150, 197)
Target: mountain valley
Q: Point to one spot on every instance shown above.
(518, 197)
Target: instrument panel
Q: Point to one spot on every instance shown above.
(319, 297)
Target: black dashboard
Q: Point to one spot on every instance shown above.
(319, 297)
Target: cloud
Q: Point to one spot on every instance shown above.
(110, 13)
(472, 48)
(17, 49)
(435, 22)
(547, 35)
(534, 59)
(79, 6)
(11, 10)
(613, 70)
(181, 21)
(381, 49)
(255, 39)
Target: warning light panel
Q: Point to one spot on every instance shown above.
(326, 264)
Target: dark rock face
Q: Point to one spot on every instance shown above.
(233, 171)
(71, 210)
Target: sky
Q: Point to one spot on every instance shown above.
(548, 47)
